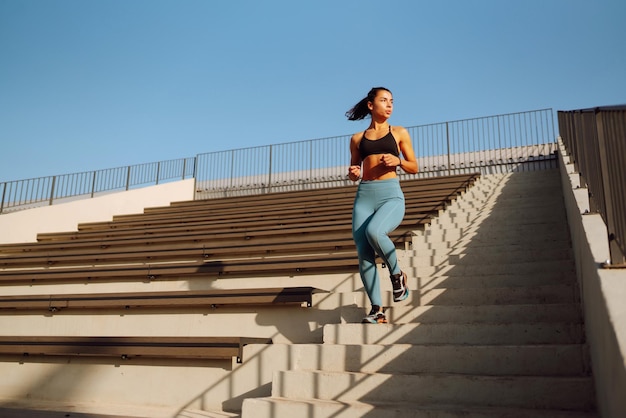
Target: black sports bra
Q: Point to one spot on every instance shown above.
(385, 145)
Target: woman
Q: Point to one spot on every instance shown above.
(376, 154)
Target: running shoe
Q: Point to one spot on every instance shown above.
(400, 291)
(376, 316)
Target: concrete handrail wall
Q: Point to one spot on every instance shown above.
(602, 292)
(594, 140)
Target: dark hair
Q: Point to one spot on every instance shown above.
(360, 110)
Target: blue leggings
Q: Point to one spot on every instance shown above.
(378, 210)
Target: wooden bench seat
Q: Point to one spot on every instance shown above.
(320, 230)
(328, 238)
(427, 183)
(244, 214)
(174, 299)
(250, 209)
(199, 247)
(262, 203)
(343, 216)
(340, 262)
(209, 348)
(286, 201)
(166, 253)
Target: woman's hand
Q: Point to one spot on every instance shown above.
(390, 160)
(354, 172)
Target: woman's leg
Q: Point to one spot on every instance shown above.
(363, 211)
(386, 218)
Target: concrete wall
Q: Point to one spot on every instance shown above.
(603, 292)
(24, 226)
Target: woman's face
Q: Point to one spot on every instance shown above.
(382, 105)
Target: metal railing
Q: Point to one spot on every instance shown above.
(502, 143)
(23, 194)
(516, 141)
(596, 141)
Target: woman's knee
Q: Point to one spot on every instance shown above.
(376, 235)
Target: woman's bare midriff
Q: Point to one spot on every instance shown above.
(374, 169)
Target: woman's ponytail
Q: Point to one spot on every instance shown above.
(360, 110)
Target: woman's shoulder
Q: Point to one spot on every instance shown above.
(398, 128)
(399, 132)
(357, 136)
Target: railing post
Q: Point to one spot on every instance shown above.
(93, 183)
(128, 178)
(158, 172)
(195, 176)
(232, 169)
(54, 180)
(184, 167)
(269, 178)
(448, 144)
(311, 162)
(498, 133)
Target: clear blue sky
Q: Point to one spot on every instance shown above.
(87, 85)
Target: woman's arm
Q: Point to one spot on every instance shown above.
(408, 163)
(354, 171)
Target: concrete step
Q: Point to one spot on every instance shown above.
(548, 202)
(526, 268)
(456, 296)
(572, 393)
(39, 413)
(424, 246)
(194, 413)
(470, 202)
(504, 314)
(502, 233)
(290, 408)
(498, 217)
(525, 198)
(494, 254)
(518, 295)
(47, 409)
(494, 280)
(456, 217)
(514, 182)
(496, 242)
(527, 191)
(455, 333)
(489, 360)
(550, 176)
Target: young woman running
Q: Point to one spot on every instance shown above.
(376, 154)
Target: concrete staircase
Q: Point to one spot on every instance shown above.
(492, 328)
